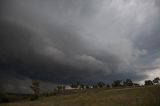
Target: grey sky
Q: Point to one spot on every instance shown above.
(61, 41)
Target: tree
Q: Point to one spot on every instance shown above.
(63, 88)
(35, 88)
(148, 82)
(156, 80)
(107, 85)
(136, 85)
(60, 87)
(87, 86)
(95, 86)
(128, 82)
(100, 84)
(75, 85)
(116, 83)
(82, 86)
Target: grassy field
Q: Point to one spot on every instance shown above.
(143, 96)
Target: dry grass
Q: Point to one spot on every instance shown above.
(146, 96)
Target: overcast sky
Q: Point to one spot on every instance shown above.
(62, 41)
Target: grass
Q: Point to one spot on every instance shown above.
(142, 96)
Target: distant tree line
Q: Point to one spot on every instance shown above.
(155, 81)
(77, 85)
(35, 86)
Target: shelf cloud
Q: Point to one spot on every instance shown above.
(62, 41)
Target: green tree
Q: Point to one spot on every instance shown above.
(156, 80)
(95, 86)
(59, 87)
(35, 88)
(75, 85)
(148, 82)
(100, 84)
(116, 83)
(107, 85)
(82, 86)
(128, 82)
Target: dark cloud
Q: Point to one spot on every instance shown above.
(59, 42)
(19, 55)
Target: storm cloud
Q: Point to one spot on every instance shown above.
(62, 41)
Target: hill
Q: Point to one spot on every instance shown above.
(141, 96)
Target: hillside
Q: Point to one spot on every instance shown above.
(142, 96)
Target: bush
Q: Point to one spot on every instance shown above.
(5, 98)
(33, 97)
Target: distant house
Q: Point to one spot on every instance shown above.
(91, 86)
(68, 87)
(157, 83)
(121, 83)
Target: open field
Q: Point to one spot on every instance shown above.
(142, 96)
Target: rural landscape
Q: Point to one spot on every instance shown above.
(79, 52)
(119, 93)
